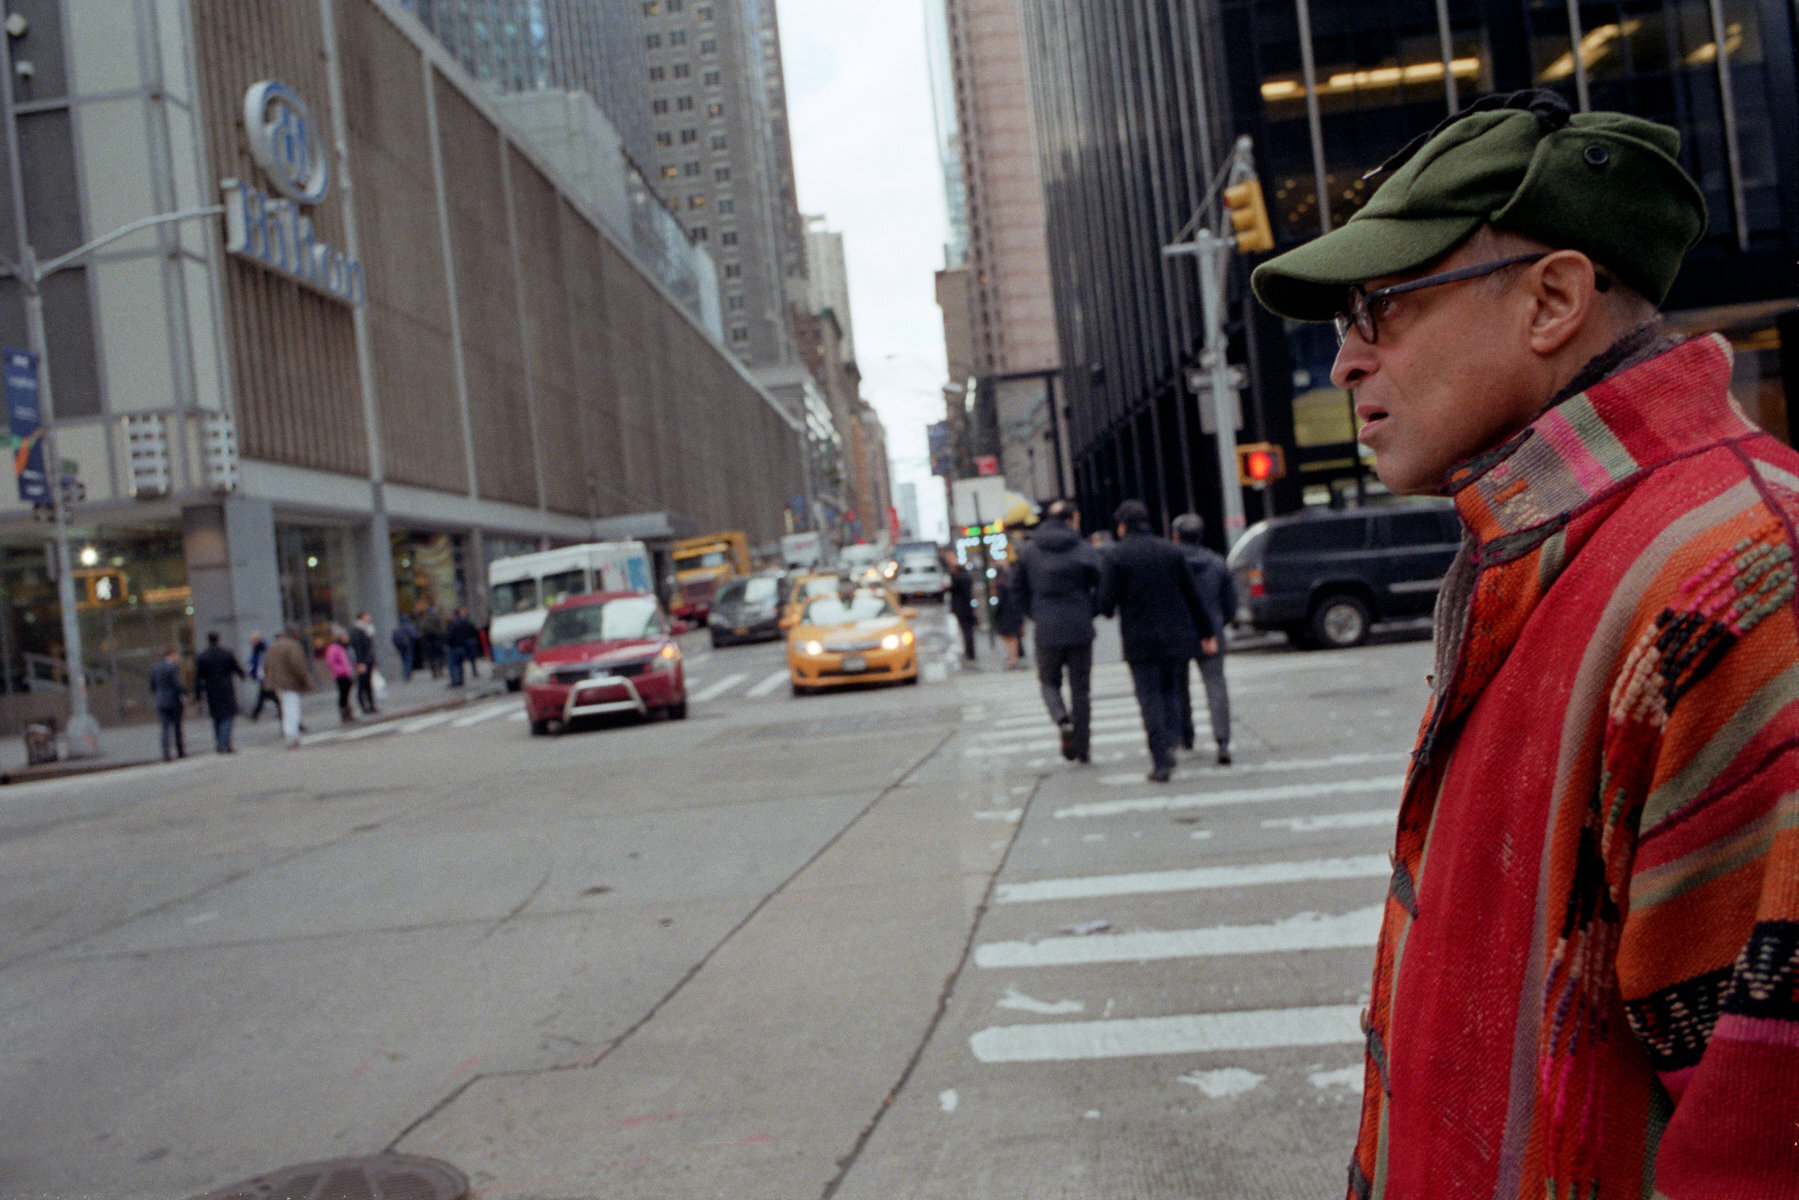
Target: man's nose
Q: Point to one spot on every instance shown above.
(1355, 361)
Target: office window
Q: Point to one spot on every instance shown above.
(721, 174)
(734, 303)
(726, 205)
(733, 270)
(712, 78)
(653, 41)
(677, 37)
(669, 172)
(655, 74)
(700, 233)
(689, 136)
(692, 168)
(682, 70)
(740, 333)
(718, 141)
(696, 201)
(658, 106)
(704, 12)
(651, 7)
(708, 45)
(665, 138)
(684, 103)
(676, 5)
(728, 237)
(715, 109)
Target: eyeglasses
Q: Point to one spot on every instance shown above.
(1361, 311)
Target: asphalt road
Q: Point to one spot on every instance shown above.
(876, 944)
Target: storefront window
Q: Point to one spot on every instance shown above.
(317, 577)
(428, 570)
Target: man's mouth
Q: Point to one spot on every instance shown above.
(1371, 415)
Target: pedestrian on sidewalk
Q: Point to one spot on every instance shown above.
(362, 655)
(1055, 585)
(170, 696)
(961, 601)
(258, 651)
(1161, 621)
(431, 638)
(1219, 595)
(1585, 978)
(406, 641)
(216, 672)
(287, 671)
(1008, 621)
(343, 671)
(461, 643)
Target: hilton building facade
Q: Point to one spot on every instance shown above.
(1137, 105)
(402, 347)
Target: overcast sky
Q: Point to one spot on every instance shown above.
(859, 101)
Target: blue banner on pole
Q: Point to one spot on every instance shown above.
(25, 424)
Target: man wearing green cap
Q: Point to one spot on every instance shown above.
(1587, 983)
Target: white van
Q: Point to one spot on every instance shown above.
(522, 589)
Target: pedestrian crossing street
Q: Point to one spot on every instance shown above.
(1222, 925)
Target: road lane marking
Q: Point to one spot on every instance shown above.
(1192, 879)
(1349, 820)
(367, 731)
(486, 714)
(520, 715)
(770, 684)
(1098, 739)
(996, 739)
(1132, 779)
(1306, 931)
(1267, 795)
(1196, 1033)
(721, 687)
(428, 722)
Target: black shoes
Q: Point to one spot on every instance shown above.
(1224, 756)
(1161, 775)
(1067, 731)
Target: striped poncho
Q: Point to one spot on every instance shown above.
(1587, 984)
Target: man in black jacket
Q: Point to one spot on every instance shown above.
(216, 672)
(961, 601)
(1161, 621)
(1054, 586)
(1219, 595)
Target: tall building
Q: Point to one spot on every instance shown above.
(997, 305)
(714, 70)
(411, 345)
(828, 279)
(1136, 105)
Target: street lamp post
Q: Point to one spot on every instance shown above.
(83, 731)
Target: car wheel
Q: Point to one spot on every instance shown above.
(540, 728)
(1339, 621)
(717, 641)
(513, 685)
(678, 711)
(801, 691)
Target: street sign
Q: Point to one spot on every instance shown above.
(979, 500)
(24, 424)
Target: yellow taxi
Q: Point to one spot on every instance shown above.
(852, 637)
(802, 589)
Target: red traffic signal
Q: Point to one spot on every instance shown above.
(1260, 463)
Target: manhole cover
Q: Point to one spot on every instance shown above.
(370, 1177)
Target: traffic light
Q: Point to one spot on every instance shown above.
(1260, 463)
(1249, 216)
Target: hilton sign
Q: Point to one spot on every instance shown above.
(271, 231)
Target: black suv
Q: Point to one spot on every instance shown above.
(1322, 577)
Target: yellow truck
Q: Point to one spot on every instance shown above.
(701, 564)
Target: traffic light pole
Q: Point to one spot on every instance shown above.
(1212, 254)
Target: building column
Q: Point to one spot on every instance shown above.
(375, 588)
(233, 579)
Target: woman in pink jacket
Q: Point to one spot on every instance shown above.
(337, 660)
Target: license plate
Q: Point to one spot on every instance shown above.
(855, 662)
(741, 630)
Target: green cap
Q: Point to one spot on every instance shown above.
(1603, 183)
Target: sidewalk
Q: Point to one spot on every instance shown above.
(125, 745)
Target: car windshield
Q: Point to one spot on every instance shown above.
(615, 620)
(863, 606)
(695, 562)
(517, 595)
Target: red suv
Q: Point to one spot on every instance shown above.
(609, 652)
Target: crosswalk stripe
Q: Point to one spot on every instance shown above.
(1293, 791)
(1363, 866)
(1350, 820)
(367, 731)
(721, 687)
(1098, 739)
(428, 722)
(521, 715)
(1197, 1033)
(1041, 722)
(1332, 762)
(486, 714)
(1035, 715)
(770, 684)
(1306, 931)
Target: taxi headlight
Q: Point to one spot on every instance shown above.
(891, 642)
(536, 673)
(813, 648)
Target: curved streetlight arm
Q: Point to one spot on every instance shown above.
(41, 271)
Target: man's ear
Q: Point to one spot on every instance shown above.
(1565, 297)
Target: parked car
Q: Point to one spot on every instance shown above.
(849, 638)
(746, 610)
(608, 652)
(1323, 577)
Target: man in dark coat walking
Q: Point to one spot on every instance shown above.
(1054, 585)
(216, 672)
(169, 694)
(1161, 621)
(1219, 595)
(961, 601)
(462, 643)
(362, 655)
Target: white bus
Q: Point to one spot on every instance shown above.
(521, 590)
